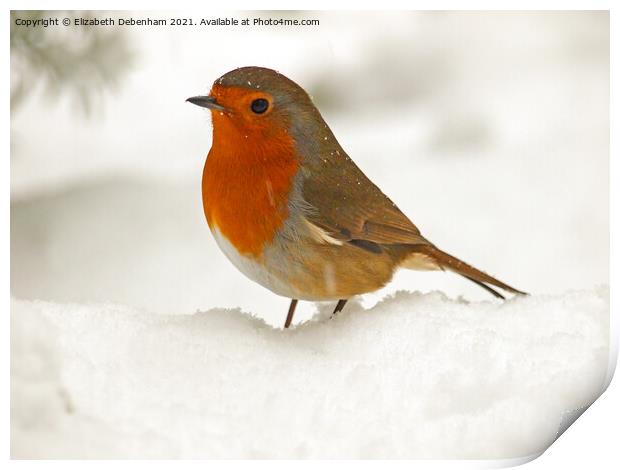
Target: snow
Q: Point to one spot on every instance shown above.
(416, 376)
(490, 130)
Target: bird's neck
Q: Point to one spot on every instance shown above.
(247, 181)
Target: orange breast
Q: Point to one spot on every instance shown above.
(246, 185)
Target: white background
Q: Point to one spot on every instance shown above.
(591, 441)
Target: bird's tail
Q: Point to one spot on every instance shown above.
(445, 261)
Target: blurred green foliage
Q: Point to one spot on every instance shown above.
(81, 61)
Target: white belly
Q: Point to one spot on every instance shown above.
(253, 269)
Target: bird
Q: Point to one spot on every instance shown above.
(292, 211)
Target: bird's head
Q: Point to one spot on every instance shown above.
(255, 103)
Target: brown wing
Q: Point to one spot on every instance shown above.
(348, 206)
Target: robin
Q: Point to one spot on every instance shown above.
(289, 207)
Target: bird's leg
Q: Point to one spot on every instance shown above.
(291, 312)
(339, 307)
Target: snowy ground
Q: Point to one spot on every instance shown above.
(417, 376)
(490, 130)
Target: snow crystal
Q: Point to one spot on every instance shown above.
(418, 375)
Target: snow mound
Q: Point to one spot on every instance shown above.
(416, 376)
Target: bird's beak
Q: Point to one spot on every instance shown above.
(206, 102)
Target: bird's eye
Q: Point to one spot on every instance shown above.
(260, 105)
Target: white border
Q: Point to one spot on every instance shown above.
(591, 441)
